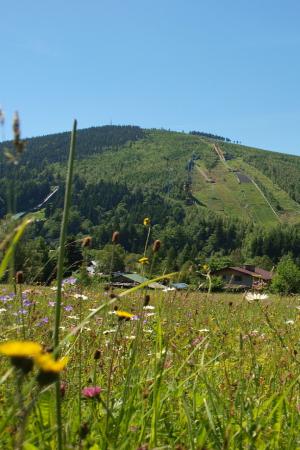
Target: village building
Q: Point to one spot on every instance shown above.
(128, 280)
(247, 276)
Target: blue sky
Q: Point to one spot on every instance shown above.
(230, 67)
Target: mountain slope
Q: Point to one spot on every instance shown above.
(223, 178)
(204, 196)
(234, 187)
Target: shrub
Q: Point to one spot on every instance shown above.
(287, 277)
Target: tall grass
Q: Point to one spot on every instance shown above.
(185, 371)
(198, 373)
(60, 272)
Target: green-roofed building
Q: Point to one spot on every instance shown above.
(123, 279)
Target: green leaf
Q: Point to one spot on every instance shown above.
(19, 231)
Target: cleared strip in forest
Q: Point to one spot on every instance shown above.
(205, 176)
(219, 153)
(265, 198)
(222, 159)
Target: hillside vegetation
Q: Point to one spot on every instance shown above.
(204, 196)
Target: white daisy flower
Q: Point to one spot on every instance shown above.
(54, 288)
(168, 289)
(109, 331)
(83, 297)
(252, 296)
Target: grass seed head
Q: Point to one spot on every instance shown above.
(16, 127)
(2, 117)
(146, 300)
(156, 245)
(20, 277)
(115, 237)
(86, 242)
(97, 354)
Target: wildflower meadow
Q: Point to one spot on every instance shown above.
(185, 371)
(99, 367)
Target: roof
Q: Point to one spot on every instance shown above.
(131, 276)
(180, 285)
(257, 273)
(245, 271)
(266, 275)
(156, 285)
(136, 278)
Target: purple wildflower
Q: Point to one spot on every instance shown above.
(70, 280)
(20, 312)
(91, 392)
(68, 308)
(42, 321)
(5, 298)
(27, 303)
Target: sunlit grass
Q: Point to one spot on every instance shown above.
(194, 371)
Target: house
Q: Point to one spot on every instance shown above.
(128, 280)
(247, 276)
(92, 268)
(180, 286)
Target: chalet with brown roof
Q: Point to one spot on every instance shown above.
(247, 276)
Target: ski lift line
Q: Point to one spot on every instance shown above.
(220, 155)
(46, 199)
(38, 207)
(265, 198)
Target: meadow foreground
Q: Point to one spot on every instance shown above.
(179, 371)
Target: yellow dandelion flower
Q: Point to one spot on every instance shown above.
(49, 368)
(21, 353)
(144, 260)
(47, 363)
(20, 349)
(205, 267)
(123, 315)
(147, 222)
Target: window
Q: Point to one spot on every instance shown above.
(238, 278)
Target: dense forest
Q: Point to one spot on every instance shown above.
(210, 135)
(125, 173)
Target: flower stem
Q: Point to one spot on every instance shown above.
(60, 269)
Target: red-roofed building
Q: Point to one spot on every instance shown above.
(244, 277)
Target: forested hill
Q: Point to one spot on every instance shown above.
(54, 148)
(204, 195)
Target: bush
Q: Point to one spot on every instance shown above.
(287, 277)
(217, 284)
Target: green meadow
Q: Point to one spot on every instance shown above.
(88, 366)
(188, 371)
